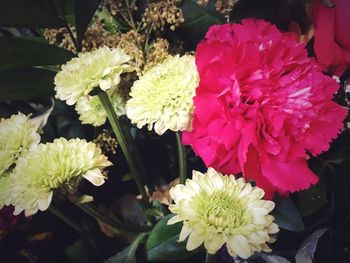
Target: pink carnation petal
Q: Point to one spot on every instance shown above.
(261, 105)
(287, 176)
(328, 52)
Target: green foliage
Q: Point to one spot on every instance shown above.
(287, 215)
(128, 255)
(18, 52)
(26, 83)
(84, 10)
(31, 13)
(198, 19)
(162, 244)
(307, 250)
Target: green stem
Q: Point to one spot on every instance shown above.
(95, 213)
(209, 258)
(113, 119)
(57, 212)
(182, 159)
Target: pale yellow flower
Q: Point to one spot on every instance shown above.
(17, 134)
(162, 97)
(82, 74)
(91, 111)
(49, 166)
(5, 193)
(217, 210)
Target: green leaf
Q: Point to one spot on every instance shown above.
(307, 250)
(30, 13)
(76, 253)
(128, 255)
(287, 215)
(198, 19)
(84, 11)
(26, 83)
(162, 244)
(22, 52)
(110, 23)
(314, 198)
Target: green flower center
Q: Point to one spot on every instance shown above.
(221, 210)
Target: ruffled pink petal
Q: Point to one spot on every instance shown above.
(332, 56)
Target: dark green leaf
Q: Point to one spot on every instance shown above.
(307, 250)
(287, 215)
(198, 19)
(23, 52)
(84, 11)
(162, 244)
(76, 253)
(27, 83)
(311, 200)
(30, 13)
(273, 259)
(128, 255)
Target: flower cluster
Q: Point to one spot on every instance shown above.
(95, 37)
(81, 75)
(261, 105)
(163, 12)
(47, 167)
(217, 209)
(163, 95)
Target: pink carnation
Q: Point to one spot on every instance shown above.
(260, 105)
(332, 38)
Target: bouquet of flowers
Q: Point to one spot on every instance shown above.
(184, 131)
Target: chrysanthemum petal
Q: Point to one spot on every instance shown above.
(194, 241)
(218, 209)
(162, 97)
(239, 245)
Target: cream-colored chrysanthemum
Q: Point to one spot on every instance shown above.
(5, 194)
(82, 74)
(17, 134)
(51, 165)
(92, 112)
(163, 95)
(217, 209)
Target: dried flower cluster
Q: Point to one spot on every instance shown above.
(106, 142)
(222, 6)
(113, 6)
(95, 36)
(131, 43)
(157, 53)
(160, 13)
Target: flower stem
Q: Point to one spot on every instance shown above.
(57, 212)
(182, 159)
(209, 258)
(129, 156)
(95, 213)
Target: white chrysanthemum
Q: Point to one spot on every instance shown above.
(5, 186)
(217, 209)
(17, 134)
(80, 75)
(163, 95)
(49, 166)
(92, 112)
